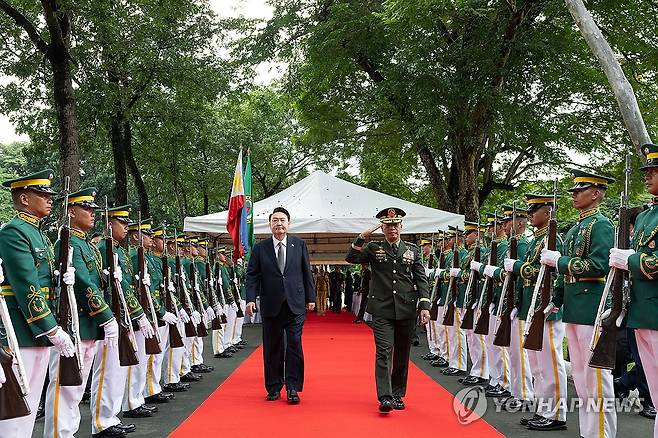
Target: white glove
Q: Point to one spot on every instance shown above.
(145, 327)
(454, 272)
(171, 288)
(551, 309)
(492, 306)
(111, 329)
(476, 265)
(69, 276)
(513, 314)
(182, 314)
(210, 313)
(183, 276)
(146, 280)
(549, 258)
(619, 258)
(428, 271)
(489, 270)
(2, 274)
(218, 309)
(234, 306)
(235, 281)
(118, 275)
(439, 271)
(3, 379)
(169, 318)
(509, 264)
(62, 342)
(196, 317)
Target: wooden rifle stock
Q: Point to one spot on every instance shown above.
(201, 329)
(220, 288)
(502, 337)
(175, 339)
(471, 292)
(190, 329)
(449, 313)
(482, 324)
(535, 338)
(605, 351)
(12, 401)
(151, 346)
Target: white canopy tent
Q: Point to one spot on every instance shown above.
(328, 212)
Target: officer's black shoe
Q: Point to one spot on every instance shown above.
(429, 356)
(111, 432)
(398, 404)
(648, 411)
(176, 387)
(524, 421)
(201, 368)
(159, 398)
(453, 372)
(273, 396)
(243, 343)
(292, 396)
(620, 390)
(385, 404)
(128, 428)
(497, 392)
(224, 354)
(490, 387)
(439, 363)
(238, 346)
(472, 381)
(513, 404)
(190, 377)
(140, 412)
(151, 408)
(232, 349)
(546, 424)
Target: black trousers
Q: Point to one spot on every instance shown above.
(283, 359)
(392, 345)
(362, 306)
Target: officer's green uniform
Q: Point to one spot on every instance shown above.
(398, 286)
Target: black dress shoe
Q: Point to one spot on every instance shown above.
(292, 396)
(176, 387)
(472, 381)
(150, 408)
(243, 343)
(439, 363)
(201, 368)
(648, 412)
(385, 405)
(160, 397)
(140, 412)
(111, 432)
(546, 424)
(398, 404)
(453, 372)
(272, 396)
(429, 356)
(497, 392)
(128, 428)
(190, 377)
(224, 354)
(524, 421)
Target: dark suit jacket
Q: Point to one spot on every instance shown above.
(264, 279)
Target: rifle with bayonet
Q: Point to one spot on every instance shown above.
(603, 344)
(236, 297)
(486, 296)
(472, 287)
(436, 290)
(503, 332)
(202, 326)
(533, 336)
(127, 343)
(183, 296)
(175, 339)
(449, 308)
(216, 323)
(70, 368)
(151, 345)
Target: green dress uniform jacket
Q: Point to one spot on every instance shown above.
(134, 308)
(226, 284)
(643, 265)
(584, 265)
(93, 310)
(461, 284)
(527, 269)
(154, 265)
(398, 284)
(241, 272)
(28, 264)
(499, 274)
(443, 284)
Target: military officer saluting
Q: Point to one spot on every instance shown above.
(642, 262)
(29, 263)
(97, 323)
(584, 266)
(398, 287)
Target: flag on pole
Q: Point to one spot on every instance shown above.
(249, 208)
(236, 216)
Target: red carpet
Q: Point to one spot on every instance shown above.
(339, 397)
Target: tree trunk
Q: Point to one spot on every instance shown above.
(630, 111)
(134, 170)
(119, 157)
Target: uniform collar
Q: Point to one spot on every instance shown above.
(587, 213)
(541, 231)
(29, 218)
(79, 234)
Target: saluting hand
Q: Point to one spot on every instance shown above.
(371, 230)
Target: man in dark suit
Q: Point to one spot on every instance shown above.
(279, 272)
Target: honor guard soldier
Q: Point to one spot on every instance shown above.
(642, 262)
(584, 266)
(240, 271)
(426, 247)
(96, 320)
(29, 263)
(547, 365)
(199, 263)
(153, 392)
(398, 287)
(441, 290)
(224, 295)
(109, 377)
(185, 256)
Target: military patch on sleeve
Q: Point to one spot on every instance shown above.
(36, 305)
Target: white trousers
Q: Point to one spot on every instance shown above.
(499, 369)
(647, 345)
(35, 361)
(443, 335)
(477, 350)
(218, 340)
(238, 324)
(457, 339)
(154, 364)
(196, 355)
(432, 337)
(550, 373)
(136, 377)
(520, 371)
(186, 363)
(108, 383)
(231, 323)
(63, 402)
(594, 386)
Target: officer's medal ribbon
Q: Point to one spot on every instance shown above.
(380, 255)
(408, 257)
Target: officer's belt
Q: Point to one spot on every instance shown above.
(7, 291)
(570, 279)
